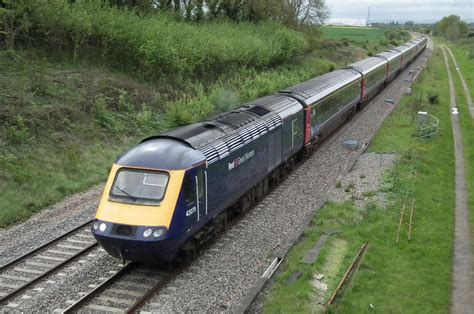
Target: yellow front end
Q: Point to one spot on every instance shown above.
(137, 214)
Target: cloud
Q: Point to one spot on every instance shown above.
(402, 10)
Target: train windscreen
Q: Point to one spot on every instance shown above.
(139, 187)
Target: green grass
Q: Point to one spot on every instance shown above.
(466, 65)
(373, 40)
(409, 277)
(360, 34)
(55, 138)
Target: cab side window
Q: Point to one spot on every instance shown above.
(200, 177)
(189, 189)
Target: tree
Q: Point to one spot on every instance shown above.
(290, 12)
(409, 24)
(451, 27)
(305, 12)
(14, 19)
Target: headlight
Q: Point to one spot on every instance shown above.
(147, 232)
(158, 233)
(102, 226)
(95, 225)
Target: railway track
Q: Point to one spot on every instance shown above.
(125, 291)
(28, 269)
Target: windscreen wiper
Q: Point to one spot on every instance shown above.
(126, 193)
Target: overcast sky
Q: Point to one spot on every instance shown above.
(402, 10)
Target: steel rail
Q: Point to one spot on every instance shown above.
(22, 257)
(47, 273)
(129, 267)
(94, 292)
(160, 284)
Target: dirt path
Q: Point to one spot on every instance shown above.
(463, 296)
(467, 93)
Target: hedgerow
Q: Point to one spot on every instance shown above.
(158, 45)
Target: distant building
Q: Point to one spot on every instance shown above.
(346, 22)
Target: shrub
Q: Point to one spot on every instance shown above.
(397, 35)
(145, 119)
(433, 98)
(156, 45)
(104, 117)
(73, 155)
(18, 133)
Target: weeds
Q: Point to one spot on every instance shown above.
(433, 98)
(18, 133)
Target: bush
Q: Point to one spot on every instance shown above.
(157, 45)
(105, 117)
(145, 119)
(18, 133)
(433, 98)
(397, 36)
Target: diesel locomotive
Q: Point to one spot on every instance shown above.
(170, 193)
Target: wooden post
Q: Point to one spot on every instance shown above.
(400, 223)
(349, 273)
(411, 218)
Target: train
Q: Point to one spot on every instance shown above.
(170, 194)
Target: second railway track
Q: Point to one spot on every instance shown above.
(22, 273)
(126, 290)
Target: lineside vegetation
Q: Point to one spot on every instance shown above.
(64, 124)
(64, 121)
(87, 80)
(156, 45)
(464, 59)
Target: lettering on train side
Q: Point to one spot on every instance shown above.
(190, 211)
(240, 160)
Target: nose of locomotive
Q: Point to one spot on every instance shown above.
(131, 198)
(144, 183)
(140, 198)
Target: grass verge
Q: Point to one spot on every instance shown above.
(466, 65)
(415, 276)
(361, 34)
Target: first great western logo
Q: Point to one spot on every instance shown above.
(240, 160)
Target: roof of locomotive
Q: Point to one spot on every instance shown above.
(216, 138)
(322, 86)
(200, 134)
(368, 65)
(161, 153)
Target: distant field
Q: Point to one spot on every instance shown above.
(354, 33)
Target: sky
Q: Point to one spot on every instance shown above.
(421, 11)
